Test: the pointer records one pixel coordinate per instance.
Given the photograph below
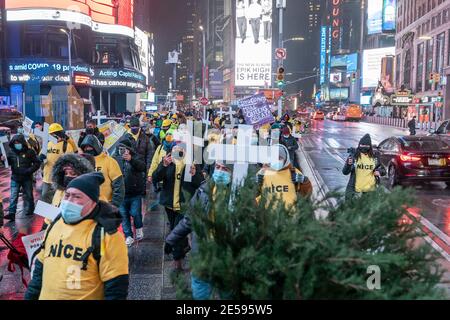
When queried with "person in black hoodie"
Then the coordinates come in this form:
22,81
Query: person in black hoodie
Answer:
364,167
91,128
133,169
24,163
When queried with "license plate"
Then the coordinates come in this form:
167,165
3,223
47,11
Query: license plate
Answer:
437,162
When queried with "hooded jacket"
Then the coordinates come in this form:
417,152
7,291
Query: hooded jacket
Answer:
78,163
145,146
168,175
351,169
113,189
97,133
134,170
112,268
24,162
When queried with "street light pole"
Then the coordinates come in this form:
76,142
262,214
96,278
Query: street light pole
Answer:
202,29
69,47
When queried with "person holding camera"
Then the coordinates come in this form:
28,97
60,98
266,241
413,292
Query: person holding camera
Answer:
133,169
364,167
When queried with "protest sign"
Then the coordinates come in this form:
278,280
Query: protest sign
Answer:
32,244
256,110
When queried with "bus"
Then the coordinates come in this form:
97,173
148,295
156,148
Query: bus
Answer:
353,112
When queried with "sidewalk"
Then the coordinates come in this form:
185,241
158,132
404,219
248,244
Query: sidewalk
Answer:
149,271
397,123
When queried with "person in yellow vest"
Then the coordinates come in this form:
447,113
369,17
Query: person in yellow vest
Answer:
83,256
280,180
54,152
113,190
165,129
364,167
160,153
171,172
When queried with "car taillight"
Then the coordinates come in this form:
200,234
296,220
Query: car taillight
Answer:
408,158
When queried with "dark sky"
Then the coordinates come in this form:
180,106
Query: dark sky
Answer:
169,21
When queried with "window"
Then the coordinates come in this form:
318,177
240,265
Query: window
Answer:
429,63
420,55
407,69
106,54
440,45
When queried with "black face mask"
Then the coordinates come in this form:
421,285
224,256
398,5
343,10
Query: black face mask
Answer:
90,131
135,130
91,152
364,149
67,180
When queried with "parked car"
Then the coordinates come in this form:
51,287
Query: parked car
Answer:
415,159
318,115
339,117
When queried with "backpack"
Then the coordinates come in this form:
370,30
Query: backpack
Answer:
16,255
94,249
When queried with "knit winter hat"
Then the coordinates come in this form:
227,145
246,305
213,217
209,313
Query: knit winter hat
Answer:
134,122
89,184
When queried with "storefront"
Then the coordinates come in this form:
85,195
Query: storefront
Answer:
429,111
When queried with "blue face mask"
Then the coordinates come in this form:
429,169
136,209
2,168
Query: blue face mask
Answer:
71,212
18,147
277,166
221,178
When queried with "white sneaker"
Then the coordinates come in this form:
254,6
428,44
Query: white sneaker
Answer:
129,241
139,234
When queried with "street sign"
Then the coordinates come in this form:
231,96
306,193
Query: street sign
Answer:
397,100
281,53
204,101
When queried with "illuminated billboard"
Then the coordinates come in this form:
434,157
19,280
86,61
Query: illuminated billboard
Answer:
323,53
372,65
389,10
348,61
253,61
105,16
141,40
374,16
339,94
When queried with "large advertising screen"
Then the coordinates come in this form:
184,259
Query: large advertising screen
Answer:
141,40
389,11
253,43
108,16
372,65
323,53
348,61
374,16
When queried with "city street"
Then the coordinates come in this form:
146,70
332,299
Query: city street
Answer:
327,146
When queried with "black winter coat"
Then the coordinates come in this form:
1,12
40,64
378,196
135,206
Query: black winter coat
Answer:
97,133
292,145
167,176
133,173
145,147
24,163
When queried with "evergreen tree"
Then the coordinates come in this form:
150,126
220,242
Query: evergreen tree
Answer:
250,250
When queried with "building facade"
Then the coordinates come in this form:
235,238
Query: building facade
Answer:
422,57
106,70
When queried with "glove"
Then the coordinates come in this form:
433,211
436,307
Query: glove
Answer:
167,248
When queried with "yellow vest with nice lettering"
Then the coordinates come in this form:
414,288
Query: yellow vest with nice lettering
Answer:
111,171
279,185
365,180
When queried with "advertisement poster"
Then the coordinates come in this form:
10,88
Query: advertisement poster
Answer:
389,9
256,110
254,43
372,65
374,16
141,40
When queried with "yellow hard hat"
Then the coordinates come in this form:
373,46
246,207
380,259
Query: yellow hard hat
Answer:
174,116
55,127
156,115
167,123
217,121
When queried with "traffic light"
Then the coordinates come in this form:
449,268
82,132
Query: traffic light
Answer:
280,74
431,78
354,77
437,77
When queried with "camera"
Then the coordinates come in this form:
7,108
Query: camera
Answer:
351,151
122,151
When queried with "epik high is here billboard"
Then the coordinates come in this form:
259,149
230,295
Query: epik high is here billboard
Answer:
253,61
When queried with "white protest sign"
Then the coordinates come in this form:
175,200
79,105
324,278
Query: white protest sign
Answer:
99,118
46,210
32,244
27,126
3,140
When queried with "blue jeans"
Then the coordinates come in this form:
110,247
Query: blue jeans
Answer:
201,290
131,207
28,199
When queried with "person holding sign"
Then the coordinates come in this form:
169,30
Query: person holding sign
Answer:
91,262
24,163
54,152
